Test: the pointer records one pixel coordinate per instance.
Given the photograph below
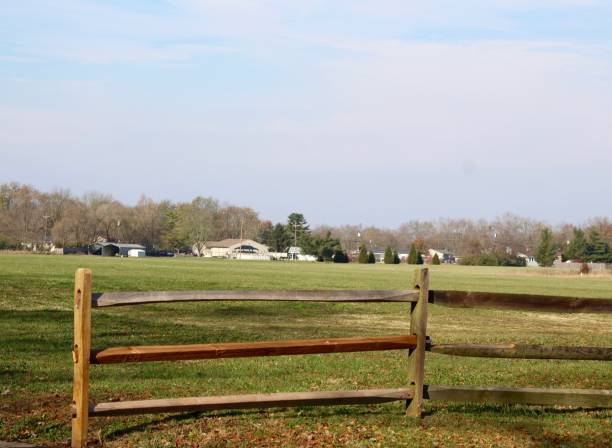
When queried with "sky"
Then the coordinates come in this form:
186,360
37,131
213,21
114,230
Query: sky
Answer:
361,112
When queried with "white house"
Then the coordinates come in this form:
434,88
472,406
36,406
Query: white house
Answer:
292,253
297,253
529,260
234,248
443,256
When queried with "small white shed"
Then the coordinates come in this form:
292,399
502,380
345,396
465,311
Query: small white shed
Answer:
136,253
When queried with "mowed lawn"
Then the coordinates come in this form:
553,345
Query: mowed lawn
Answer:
36,367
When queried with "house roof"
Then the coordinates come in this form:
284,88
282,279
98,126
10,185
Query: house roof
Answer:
224,243
229,242
123,245
444,252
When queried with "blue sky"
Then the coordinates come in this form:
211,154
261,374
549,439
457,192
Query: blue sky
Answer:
348,111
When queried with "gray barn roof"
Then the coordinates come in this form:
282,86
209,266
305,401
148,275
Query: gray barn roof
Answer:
123,245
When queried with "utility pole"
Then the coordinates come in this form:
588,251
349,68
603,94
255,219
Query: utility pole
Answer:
240,250
295,227
45,217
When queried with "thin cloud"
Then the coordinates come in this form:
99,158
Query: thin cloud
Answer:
339,97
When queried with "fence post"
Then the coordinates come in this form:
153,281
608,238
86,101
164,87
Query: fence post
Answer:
80,357
416,357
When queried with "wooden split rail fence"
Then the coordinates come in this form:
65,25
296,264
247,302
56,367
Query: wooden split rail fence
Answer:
416,342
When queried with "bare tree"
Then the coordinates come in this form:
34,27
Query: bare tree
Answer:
197,221
233,222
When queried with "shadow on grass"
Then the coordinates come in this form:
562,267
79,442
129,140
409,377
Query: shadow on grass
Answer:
309,412
538,423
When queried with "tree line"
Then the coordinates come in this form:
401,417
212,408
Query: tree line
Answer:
496,242
31,216
28,215
584,246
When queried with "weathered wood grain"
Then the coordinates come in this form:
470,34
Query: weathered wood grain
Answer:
80,356
250,349
136,298
372,396
507,395
416,357
519,302
524,351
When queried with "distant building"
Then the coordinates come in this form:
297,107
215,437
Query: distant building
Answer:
113,249
530,261
443,256
297,254
379,254
136,253
234,248
403,254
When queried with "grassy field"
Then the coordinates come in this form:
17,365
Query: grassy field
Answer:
36,367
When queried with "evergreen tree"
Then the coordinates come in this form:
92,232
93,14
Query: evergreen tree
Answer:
363,255
340,256
264,236
388,256
419,259
298,232
324,247
435,259
173,237
371,258
278,240
597,249
412,255
577,248
545,253
396,258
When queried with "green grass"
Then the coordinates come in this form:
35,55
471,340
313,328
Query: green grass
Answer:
36,369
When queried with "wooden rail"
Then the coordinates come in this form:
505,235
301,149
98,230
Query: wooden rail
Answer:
519,302
83,356
458,299
524,351
372,396
250,349
473,394
137,298
416,342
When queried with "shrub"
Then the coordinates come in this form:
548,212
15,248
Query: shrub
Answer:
371,258
388,256
412,255
340,256
6,244
363,255
545,253
419,259
493,259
